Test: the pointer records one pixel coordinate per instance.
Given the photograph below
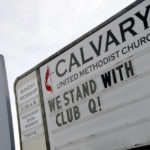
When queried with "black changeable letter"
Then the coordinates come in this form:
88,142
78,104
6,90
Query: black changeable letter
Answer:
145,17
97,50
111,39
129,29
57,72
84,61
129,69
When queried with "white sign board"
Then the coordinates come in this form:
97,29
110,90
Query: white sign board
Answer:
6,126
97,93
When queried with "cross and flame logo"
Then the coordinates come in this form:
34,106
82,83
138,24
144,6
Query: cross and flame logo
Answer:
47,85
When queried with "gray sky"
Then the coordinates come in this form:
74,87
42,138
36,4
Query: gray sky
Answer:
32,30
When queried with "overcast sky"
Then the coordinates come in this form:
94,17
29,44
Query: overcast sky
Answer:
32,30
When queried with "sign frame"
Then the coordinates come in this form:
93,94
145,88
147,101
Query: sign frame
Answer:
61,51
